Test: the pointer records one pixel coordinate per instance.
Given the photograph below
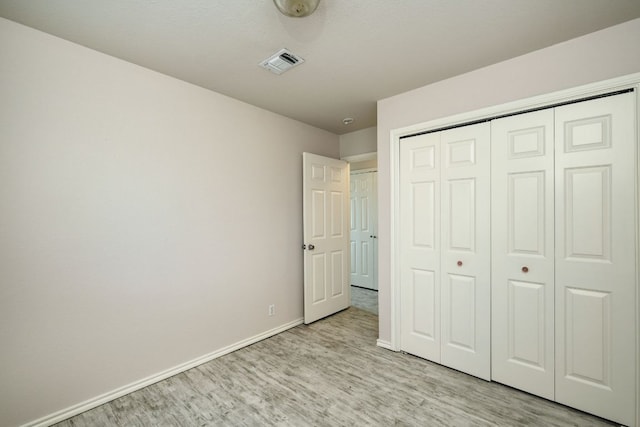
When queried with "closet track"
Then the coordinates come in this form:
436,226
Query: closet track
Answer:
516,113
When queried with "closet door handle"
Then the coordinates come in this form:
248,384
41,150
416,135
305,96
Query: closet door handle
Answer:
525,269
459,263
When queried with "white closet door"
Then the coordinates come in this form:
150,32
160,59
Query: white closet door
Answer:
363,229
522,271
595,257
466,250
420,245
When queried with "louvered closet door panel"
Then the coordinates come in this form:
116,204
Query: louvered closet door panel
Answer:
595,256
523,252
466,250
420,245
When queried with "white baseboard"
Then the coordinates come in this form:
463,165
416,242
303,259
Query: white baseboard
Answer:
384,344
69,412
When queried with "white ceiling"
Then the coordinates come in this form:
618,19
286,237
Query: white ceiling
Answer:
356,51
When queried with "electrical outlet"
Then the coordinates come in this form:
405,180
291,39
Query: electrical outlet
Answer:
272,309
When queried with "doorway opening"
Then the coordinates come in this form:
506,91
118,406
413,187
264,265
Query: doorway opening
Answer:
363,233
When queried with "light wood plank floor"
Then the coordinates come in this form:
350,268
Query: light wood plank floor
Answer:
329,373
366,299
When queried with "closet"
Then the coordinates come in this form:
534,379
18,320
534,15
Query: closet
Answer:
517,251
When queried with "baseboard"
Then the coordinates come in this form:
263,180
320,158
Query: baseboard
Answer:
119,392
384,344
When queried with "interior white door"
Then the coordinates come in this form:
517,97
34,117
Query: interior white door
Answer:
445,248
326,236
595,256
420,245
465,284
363,229
522,309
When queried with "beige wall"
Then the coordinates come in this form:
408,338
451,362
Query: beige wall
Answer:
366,164
358,142
598,56
144,222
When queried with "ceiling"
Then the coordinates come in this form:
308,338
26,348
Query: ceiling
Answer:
356,51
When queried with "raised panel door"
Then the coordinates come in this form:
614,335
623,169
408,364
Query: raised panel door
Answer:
326,236
363,229
466,249
522,329
420,246
595,257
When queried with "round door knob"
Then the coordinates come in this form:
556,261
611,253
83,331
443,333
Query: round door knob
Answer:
311,247
525,269
459,263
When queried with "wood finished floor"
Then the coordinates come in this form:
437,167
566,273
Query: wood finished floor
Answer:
365,299
330,373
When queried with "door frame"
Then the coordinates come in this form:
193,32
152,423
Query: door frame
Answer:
631,81
355,158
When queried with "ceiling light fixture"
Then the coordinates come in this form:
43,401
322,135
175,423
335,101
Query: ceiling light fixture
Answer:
347,120
296,8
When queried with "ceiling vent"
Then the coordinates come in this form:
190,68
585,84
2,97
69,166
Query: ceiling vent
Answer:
281,61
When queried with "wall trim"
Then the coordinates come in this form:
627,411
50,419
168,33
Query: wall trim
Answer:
71,411
360,157
361,171
637,184
384,344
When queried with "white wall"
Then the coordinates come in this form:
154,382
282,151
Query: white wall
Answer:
144,222
598,56
358,142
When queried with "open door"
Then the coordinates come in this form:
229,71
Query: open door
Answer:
326,236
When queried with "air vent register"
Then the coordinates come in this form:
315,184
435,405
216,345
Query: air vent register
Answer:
281,61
